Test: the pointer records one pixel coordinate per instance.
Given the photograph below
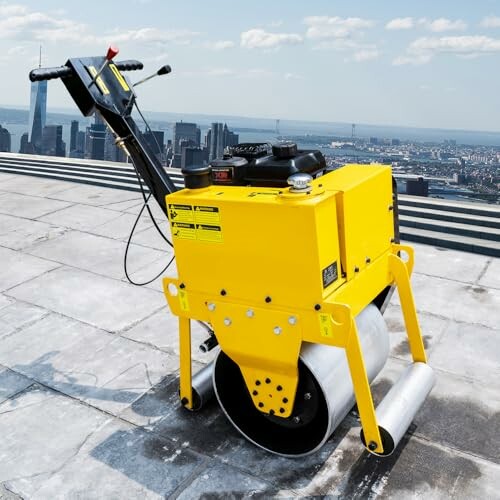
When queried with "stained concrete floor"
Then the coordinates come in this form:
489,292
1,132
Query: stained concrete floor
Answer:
88,373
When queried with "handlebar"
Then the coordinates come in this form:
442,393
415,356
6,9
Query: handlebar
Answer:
40,74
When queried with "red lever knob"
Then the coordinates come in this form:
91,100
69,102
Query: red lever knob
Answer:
112,51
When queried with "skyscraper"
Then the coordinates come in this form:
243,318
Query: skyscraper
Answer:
185,132
94,142
216,141
4,140
73,134
38,111
52,142
155,140
219,137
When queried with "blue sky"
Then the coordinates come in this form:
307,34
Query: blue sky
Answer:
425,63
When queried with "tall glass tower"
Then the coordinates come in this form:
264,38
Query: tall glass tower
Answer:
38,111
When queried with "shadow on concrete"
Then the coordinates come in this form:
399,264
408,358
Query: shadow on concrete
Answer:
42,370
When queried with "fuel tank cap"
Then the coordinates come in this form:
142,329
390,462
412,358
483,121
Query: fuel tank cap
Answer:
300,183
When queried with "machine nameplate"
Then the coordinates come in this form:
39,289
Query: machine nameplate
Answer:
330,274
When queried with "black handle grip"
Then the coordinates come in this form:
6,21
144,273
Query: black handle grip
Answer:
129,65
39,74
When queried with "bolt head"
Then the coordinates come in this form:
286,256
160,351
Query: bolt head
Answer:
372,446
277,330
292,320
227,321
211,306
296,420
307,396
250,313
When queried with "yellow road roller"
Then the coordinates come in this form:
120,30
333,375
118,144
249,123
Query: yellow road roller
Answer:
289,266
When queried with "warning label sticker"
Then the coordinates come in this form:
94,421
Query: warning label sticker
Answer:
180,213
206,215
183,230
325,325
198,222
207,232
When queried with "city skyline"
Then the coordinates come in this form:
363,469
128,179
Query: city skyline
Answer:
424,65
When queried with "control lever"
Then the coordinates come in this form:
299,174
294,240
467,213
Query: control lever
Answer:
112,52
164,70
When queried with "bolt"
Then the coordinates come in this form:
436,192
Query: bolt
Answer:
292,320
211,306
223,292
368,260
227,321
285,400
277,330
372,445
391,208
182,286
261,405
317,307
393,240
356,269
268,299
271,412
255,393
184,401
279,388
296,420
307,396
250,313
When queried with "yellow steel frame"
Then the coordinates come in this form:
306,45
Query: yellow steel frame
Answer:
340,308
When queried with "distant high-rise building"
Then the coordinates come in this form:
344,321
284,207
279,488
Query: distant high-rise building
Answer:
95,139
25,145
417,187
79,151
155,140
396,142
218,138
4,140
374,140
192,156
216,141
187,132
73,134
52,142
111,151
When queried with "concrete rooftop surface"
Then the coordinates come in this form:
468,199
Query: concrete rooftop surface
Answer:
89,372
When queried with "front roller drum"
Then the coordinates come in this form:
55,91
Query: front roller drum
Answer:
325,393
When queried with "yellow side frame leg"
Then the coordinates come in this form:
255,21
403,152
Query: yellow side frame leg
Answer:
186,389
401,276
362,391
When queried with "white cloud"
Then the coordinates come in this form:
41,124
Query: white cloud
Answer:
292,76
413,60
259,39
400,23
324,27
219,45
18,22
423,49
443,24
366,55
455,44
491,22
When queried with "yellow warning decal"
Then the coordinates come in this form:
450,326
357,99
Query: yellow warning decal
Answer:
325,325
206,232
99,81
183,300
180,213
206,215
183,230
120,78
